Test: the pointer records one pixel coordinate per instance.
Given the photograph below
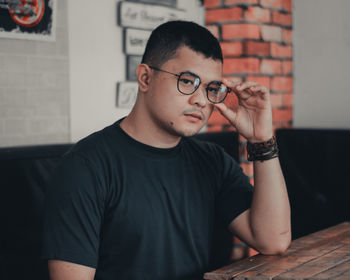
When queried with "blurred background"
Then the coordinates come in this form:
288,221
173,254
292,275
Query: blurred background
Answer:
75,75
62,90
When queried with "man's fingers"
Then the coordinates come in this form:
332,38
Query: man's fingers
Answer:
246,85
259,88
231,82
229,114
247,89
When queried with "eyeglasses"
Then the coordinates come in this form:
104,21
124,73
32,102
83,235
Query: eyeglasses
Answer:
188,83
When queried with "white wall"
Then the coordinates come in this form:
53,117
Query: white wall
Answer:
97,63
34,88
321,31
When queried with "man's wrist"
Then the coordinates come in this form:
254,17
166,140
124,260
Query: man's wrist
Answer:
263,150
264,138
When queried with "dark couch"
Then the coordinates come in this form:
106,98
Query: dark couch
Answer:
24,172
315,164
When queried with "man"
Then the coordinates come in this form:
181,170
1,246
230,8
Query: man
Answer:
137,200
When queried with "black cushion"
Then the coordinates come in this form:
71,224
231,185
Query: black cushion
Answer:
223,239
315,163
24,172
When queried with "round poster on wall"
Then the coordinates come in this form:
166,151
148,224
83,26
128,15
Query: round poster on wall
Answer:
27,19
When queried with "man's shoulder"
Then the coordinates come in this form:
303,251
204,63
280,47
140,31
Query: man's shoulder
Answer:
97,143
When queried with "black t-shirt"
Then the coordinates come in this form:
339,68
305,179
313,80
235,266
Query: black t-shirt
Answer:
133,211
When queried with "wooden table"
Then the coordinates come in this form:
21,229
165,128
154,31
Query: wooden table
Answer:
322,255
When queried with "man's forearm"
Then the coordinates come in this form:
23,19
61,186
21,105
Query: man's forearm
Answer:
270,210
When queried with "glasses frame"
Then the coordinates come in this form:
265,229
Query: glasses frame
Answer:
197,77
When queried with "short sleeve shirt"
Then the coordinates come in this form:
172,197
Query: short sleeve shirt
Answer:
133,211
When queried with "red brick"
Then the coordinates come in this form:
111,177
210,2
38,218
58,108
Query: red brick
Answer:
287,67
281,115
214,128
252,252
257,14
228,128
214,29
287,35
238,253
242,151
217,118
257,48
247,168
287,5
227,14
288,100
231,2
283,19
275,4
240,31
241,65
235,79
236,240
212,3
282,84
271,33
278,50
231,48
241,139
261,80
269,66
276,99
231,100
286,124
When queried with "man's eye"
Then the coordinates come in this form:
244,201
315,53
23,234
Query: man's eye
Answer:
213,90
186,82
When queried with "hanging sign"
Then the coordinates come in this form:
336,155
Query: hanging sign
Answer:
126,94
27,19
146,16
135,41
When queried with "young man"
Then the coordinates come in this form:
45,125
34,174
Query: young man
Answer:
137,199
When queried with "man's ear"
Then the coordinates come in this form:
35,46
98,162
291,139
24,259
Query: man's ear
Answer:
143,73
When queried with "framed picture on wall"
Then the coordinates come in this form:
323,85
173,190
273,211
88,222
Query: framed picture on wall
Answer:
171,3
146,16
135,40
28,19
126,94
132,62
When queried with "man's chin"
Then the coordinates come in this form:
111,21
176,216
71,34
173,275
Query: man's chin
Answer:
187,132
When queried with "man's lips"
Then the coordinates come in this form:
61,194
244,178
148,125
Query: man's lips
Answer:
194,115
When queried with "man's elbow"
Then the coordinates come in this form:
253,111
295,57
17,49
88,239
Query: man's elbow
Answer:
277,247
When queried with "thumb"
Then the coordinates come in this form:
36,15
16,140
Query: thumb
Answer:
229,114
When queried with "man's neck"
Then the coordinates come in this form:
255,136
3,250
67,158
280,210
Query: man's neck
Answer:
143,130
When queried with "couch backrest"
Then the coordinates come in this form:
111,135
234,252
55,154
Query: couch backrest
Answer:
315,163
24,172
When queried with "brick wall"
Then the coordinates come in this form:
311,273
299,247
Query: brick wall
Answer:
34,88
256,39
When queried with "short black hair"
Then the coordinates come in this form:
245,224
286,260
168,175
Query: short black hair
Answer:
168,37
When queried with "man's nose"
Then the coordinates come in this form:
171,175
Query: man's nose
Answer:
199,97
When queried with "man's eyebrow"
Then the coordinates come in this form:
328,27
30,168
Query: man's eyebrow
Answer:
188,71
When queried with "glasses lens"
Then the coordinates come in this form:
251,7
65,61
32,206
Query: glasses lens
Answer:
217,92
188,83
